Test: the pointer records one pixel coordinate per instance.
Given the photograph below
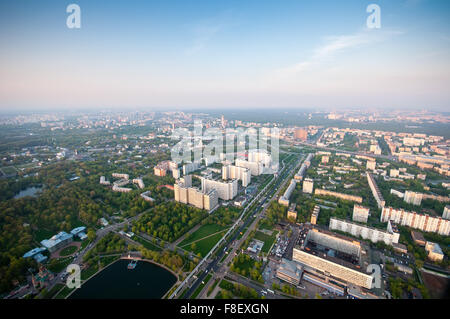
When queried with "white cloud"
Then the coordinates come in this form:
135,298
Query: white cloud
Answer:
334,45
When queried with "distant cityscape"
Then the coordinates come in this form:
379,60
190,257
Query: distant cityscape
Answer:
346,213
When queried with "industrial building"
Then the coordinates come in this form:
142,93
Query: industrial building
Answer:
333,260
289,271
434,251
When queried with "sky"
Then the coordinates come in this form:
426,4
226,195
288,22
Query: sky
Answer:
224,54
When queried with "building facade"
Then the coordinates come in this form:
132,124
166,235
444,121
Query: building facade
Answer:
423,222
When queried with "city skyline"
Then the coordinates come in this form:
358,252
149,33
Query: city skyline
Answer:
225,55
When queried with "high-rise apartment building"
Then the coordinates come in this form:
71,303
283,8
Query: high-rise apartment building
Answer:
360,213
308,186
225,190
235,172
423,222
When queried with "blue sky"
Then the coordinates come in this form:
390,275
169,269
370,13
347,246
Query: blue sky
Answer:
237,54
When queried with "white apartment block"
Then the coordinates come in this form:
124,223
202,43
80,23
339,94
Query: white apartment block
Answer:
225,190
397,193
260,156
195,197
190,167
235,172
413,198
368,233
418,221
308,186
446,213
360,213
256,168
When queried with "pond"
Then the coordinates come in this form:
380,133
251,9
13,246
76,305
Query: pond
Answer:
30,191
145,281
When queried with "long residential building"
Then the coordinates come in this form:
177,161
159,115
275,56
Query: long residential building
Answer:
423,222
302,171
324,192
389,237
284,200
375,191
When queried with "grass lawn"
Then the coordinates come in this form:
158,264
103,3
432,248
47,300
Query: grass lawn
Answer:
68,251
247,265
203,231
87,273
84,244
204,246
268,240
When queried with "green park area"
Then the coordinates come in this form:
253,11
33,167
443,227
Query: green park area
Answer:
203,239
